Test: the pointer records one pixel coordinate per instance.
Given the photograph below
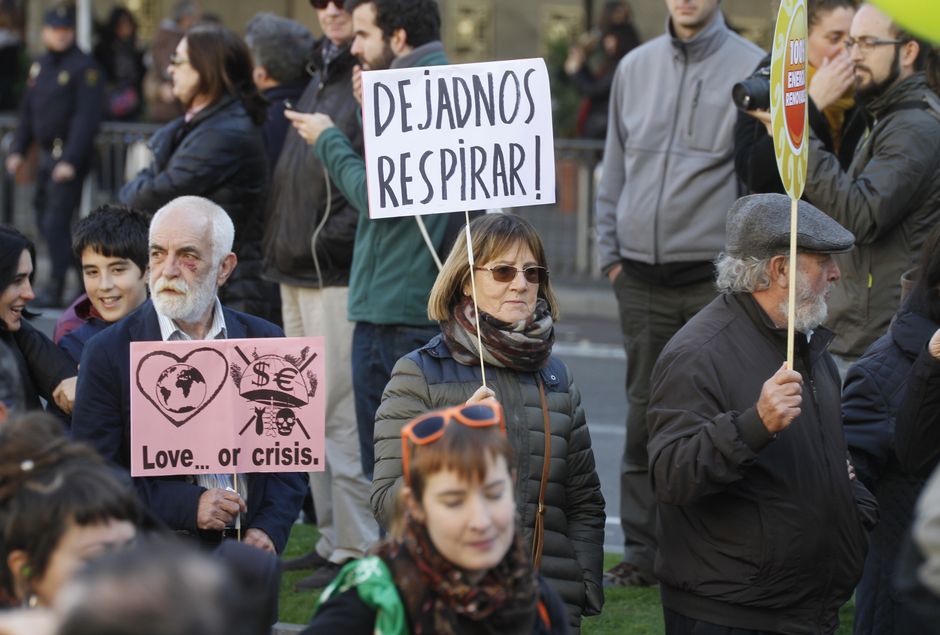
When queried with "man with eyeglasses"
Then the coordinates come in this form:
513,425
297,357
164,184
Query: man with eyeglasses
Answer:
308,250
889,196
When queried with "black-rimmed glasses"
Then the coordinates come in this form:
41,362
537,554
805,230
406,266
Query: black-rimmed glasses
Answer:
867,43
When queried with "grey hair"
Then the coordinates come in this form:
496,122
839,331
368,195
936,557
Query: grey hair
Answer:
223,231
280,45
742,275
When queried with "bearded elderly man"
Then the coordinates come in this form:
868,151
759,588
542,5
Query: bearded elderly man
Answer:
190,258
762,524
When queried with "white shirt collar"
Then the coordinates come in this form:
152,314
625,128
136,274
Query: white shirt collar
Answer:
170,332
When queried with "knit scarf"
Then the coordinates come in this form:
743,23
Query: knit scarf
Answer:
522,346
436,593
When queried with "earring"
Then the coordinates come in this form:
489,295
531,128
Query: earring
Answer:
26,571
32,601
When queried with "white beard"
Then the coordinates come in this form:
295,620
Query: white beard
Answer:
191,302
811,309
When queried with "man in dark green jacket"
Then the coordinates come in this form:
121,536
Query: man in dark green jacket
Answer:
393,268
890,195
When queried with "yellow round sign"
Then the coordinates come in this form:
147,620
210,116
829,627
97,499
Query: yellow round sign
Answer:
917,16
788,109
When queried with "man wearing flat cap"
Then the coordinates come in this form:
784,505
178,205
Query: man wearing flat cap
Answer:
762,524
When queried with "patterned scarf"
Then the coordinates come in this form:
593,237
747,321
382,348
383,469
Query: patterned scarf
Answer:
523,346
436,593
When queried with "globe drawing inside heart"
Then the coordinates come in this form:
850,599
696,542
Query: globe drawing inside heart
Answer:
181,388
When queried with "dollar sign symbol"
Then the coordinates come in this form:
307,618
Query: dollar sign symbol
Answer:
261,377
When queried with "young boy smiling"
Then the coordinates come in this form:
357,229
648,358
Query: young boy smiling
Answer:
111,244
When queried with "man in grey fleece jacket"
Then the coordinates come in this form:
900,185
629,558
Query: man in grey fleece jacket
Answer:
668,180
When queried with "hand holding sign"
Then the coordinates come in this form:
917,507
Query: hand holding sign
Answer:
218,509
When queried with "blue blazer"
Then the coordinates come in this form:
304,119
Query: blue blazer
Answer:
102,418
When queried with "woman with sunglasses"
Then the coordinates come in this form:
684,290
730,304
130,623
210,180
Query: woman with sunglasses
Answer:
215,150
455,562
542,404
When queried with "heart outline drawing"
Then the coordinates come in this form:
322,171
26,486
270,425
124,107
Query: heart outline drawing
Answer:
174,417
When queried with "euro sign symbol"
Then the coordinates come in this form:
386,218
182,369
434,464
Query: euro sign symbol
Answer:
283,379
261,377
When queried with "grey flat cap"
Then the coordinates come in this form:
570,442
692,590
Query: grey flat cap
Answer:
759,226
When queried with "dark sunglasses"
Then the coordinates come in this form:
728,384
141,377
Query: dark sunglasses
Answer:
508,273
430,427
322,4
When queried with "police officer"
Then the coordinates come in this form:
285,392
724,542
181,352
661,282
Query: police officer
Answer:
61,112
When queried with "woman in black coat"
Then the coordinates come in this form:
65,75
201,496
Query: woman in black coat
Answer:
44,370
216,150
872,399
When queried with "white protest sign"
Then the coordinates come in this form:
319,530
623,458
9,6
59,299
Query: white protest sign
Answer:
451,138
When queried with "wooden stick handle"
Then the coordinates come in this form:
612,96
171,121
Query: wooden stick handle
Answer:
473,289
791,283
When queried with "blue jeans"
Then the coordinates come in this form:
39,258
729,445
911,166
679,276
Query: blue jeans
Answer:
375,350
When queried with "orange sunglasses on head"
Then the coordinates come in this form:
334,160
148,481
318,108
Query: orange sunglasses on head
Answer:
429,427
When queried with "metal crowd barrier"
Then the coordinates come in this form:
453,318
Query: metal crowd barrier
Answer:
566,227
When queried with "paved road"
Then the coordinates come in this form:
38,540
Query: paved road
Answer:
593,351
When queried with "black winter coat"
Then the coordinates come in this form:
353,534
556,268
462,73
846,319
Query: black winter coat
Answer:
303,202
755,531
41,363
219,155
873,393
917,434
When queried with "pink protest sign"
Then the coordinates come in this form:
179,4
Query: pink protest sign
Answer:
223,406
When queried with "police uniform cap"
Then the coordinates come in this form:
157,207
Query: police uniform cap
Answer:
759,226
62,17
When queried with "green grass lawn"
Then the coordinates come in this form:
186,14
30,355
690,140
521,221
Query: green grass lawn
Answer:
627,611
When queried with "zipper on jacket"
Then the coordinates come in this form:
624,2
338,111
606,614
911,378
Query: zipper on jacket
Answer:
672,136
695,97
